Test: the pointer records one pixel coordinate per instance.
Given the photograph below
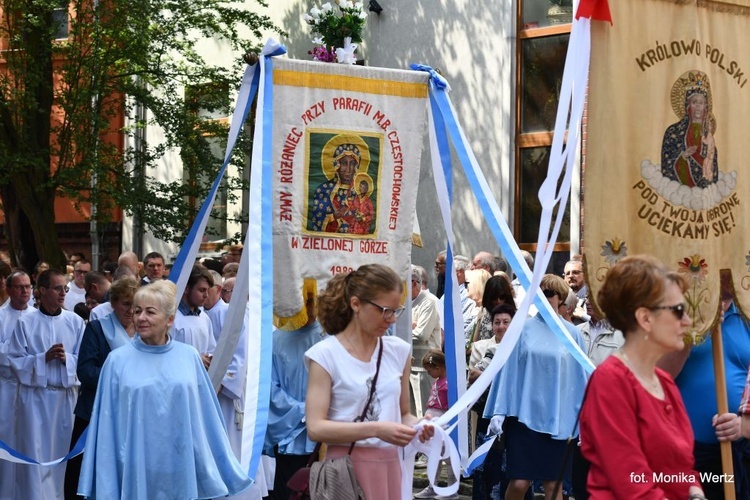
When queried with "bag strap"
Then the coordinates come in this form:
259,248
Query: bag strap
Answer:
372,390
314,456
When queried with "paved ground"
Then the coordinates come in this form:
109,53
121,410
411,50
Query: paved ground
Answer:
421,482
464,489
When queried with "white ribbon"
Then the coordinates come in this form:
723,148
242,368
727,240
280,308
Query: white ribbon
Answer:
440,447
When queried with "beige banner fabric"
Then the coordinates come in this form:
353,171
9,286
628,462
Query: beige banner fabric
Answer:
347,145
666,149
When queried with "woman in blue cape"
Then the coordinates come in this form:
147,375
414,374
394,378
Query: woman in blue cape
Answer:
539,391
101,337
156,429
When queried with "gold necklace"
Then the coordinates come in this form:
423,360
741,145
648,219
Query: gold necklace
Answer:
653,386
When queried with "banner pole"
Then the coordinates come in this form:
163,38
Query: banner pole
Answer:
723,407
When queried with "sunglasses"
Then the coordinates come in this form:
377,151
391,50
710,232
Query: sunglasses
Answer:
549,293
678,310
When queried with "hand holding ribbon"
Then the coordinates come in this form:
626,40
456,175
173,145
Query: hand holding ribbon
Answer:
440,447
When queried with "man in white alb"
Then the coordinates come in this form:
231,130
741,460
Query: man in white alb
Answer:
18,285
43,353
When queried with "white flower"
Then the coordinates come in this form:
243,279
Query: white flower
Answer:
308,19
346,4
362,14
327,7
315,13
359,6
318,41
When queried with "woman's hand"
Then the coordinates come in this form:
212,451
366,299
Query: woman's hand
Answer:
427,432
728,426
396,433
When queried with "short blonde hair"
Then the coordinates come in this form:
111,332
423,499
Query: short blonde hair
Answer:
163,292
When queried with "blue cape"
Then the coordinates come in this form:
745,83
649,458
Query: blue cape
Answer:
156,431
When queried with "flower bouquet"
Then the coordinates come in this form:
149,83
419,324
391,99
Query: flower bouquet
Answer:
337,30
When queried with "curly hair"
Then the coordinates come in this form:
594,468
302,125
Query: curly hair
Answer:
334,310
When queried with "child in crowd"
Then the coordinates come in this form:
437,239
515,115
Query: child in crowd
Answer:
434,363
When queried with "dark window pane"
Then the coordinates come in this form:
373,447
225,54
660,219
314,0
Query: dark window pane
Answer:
534,163
541,77
540,13
60,20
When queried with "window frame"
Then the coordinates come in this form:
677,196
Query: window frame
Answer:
531,139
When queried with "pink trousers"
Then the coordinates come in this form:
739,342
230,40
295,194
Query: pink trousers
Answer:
378,470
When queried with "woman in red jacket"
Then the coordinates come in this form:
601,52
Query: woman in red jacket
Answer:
634,429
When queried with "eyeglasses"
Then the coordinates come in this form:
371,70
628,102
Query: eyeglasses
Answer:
225,291
678,310
438,265
80,271
574,273
388,312
549,293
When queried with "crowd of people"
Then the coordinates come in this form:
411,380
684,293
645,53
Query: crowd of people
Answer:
631,435
127,359
57,329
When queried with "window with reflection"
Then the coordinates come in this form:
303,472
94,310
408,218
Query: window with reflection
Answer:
534,162
208,103
542,13
543,35
543,61
60,20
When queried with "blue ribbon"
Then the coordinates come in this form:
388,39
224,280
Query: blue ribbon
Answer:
451,346
436,78
77,450
183,264
266,263
489,208
443,149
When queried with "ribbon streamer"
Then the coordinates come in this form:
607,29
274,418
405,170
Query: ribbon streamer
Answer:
11,455
186,257
440,447
561,162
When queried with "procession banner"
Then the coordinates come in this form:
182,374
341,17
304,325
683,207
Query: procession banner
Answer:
665,169
347,143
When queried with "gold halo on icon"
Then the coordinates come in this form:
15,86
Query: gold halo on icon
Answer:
690,80
362,177
328,162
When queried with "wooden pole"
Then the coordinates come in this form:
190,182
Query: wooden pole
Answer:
723,407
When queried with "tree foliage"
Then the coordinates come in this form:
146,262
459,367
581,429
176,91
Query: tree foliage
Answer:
61,100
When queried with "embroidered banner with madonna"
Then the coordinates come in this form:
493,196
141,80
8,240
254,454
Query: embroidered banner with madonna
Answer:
665,171
346,153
